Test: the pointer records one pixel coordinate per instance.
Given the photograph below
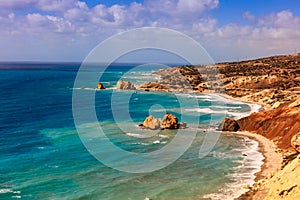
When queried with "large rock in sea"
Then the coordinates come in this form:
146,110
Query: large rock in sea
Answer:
125,85
229,124
152,123
100,86
295,142
169,122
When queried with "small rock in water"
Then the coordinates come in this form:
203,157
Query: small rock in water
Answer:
182,125
100,86
156,142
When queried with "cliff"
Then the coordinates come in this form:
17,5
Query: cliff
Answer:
273,82
279,124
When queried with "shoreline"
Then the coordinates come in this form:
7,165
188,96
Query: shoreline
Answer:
264,107
272,161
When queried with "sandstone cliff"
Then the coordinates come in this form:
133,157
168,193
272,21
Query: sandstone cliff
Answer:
279,124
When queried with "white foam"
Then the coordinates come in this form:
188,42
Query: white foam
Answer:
252,162
3,191
221,155
208,110
136,135
142,143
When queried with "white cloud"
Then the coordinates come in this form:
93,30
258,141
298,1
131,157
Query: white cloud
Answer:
71,21
57,5
249,16
17,4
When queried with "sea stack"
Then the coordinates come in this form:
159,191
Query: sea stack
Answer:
125,85
100,86
169,121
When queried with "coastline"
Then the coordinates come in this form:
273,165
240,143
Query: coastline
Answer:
264,107
272,161
272,156
271,164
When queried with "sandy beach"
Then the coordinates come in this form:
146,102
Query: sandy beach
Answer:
272,155
272,162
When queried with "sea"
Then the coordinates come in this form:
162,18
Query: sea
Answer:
43,155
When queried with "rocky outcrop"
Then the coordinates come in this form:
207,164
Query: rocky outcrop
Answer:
229,124
279,124
100,86
154,86
152,123
286,184
270,81
125,85
295,142
169,121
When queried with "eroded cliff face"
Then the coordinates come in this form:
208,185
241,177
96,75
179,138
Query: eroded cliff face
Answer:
279,124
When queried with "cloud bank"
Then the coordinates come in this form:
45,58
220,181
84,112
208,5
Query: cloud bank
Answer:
69,29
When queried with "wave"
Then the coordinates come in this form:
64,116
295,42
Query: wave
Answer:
208,110
93,89
5,190
244,173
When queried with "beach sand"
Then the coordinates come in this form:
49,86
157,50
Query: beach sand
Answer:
272,155
272,163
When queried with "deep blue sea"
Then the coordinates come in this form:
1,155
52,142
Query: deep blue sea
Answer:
43,157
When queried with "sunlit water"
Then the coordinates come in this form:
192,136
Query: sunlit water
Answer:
42,156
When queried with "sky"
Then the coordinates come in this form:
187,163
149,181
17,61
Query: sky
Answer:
67,30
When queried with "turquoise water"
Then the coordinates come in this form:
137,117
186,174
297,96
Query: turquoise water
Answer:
42,156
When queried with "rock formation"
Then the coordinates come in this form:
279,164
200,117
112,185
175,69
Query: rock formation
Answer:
152,123
100,86
154,86
279,124
270,81
295,142
169,121
286,184
229,124
125,85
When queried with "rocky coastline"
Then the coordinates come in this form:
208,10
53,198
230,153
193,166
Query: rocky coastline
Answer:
272,82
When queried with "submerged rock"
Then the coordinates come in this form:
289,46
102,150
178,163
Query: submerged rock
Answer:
182,125
100,86
125,85
229,124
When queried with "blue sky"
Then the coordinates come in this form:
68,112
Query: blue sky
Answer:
67,30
